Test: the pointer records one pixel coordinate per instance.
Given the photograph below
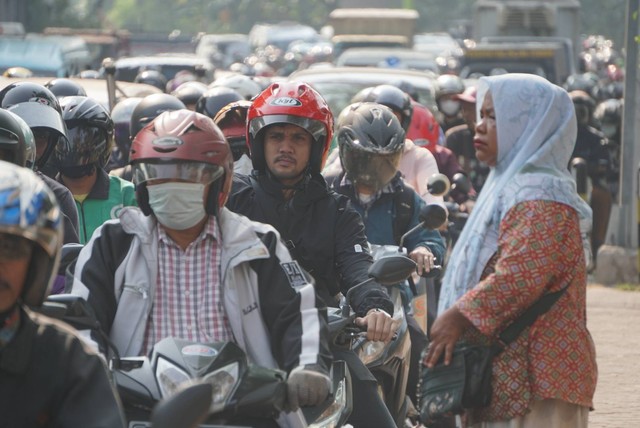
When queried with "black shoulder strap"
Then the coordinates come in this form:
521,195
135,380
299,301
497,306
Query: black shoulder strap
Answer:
404,204
529,316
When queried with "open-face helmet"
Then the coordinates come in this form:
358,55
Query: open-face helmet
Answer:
232,121
293,103
185,145
40,109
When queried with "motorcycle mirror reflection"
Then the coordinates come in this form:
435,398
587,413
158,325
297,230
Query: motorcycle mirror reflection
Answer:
188,408
438,184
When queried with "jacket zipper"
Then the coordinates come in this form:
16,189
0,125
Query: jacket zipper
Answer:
137,289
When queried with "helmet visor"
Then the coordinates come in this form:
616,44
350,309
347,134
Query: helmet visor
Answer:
85,145
194,172
373,170
315,127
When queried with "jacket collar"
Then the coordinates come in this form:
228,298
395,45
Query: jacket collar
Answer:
15,357
100,189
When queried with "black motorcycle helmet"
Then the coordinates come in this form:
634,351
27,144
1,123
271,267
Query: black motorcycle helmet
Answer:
89,137
151,107
370,141
40,109
16,140
190,92
584,105
121,116
212,101
394,98
62,87
580,82
609,115
153,78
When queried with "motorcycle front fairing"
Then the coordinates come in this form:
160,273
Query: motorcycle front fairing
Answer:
239,388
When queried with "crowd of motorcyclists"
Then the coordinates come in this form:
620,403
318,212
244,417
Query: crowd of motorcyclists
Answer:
236,211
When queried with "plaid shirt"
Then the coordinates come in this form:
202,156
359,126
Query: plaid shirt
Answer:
188,302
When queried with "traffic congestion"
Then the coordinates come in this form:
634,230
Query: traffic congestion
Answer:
363,224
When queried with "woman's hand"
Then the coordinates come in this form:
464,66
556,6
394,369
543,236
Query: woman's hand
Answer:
380,325
445,332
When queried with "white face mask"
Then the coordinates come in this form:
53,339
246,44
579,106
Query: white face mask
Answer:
177,206
449,107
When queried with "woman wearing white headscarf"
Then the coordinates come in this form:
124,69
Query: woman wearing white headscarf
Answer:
527,236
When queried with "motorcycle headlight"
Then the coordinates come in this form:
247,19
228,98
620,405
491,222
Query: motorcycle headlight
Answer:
331,416
371,351
223,381
169,377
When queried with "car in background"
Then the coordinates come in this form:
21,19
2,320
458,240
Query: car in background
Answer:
54,56
95,88
168,64
388,58
281,35
338,85
444,48
222,50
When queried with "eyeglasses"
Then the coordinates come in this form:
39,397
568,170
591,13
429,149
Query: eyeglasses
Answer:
14,247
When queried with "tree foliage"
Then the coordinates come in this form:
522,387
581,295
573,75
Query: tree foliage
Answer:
605,17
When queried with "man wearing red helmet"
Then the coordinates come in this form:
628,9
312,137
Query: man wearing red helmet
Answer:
183,265
232,121
289,128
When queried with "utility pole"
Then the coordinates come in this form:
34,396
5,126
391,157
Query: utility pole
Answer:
620,261
627,235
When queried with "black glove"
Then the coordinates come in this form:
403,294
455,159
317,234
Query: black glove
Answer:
306,387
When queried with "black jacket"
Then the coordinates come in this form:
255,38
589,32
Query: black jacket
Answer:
322,231
49,379
67,207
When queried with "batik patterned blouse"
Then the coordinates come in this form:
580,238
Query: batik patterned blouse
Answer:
539,251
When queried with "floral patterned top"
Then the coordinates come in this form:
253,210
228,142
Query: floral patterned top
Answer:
539,251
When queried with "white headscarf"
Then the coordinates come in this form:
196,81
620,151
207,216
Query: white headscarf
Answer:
536,131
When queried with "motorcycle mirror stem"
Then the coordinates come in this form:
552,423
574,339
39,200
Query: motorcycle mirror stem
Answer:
431,216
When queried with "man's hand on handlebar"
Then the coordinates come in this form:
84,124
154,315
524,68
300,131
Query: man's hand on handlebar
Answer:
380,325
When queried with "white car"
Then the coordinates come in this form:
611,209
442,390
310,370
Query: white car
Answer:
339,84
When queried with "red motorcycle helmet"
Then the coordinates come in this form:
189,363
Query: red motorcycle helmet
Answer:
424,129
294,103
182,144
232,121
